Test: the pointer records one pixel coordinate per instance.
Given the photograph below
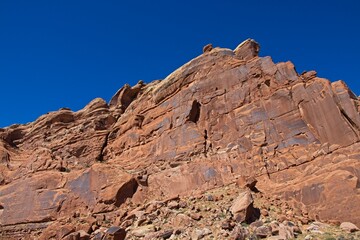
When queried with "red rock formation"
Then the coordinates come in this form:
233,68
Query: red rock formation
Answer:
222,116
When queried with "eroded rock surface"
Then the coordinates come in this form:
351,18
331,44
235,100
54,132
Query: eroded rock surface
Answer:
225,115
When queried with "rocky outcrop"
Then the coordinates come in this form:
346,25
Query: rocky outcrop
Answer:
207,48
223,117
247,49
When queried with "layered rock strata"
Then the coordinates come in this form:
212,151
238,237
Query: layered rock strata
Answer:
222,116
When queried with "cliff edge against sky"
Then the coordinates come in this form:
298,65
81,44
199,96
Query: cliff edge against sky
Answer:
223,118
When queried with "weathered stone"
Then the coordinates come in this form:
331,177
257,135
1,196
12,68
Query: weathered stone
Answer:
72,236
246,182
143,230
196,234
247,49
182,204
243,209
83,235
98,235
124,97
195,216
286,232
207,48
181,220
309,75
274,228
348,226
67,230
264,212
226,225
239,233
165,234
173,205
256,224
308,237
115,233
200,233
210,198
275,238
263,231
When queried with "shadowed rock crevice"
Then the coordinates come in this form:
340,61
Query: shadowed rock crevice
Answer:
205,142
100,157
194,113
125,192
351,122
124,97
14,137
267,83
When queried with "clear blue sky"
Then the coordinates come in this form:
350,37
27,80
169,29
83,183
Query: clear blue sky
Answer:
62,53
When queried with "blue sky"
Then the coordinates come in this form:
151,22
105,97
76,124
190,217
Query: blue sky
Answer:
64,53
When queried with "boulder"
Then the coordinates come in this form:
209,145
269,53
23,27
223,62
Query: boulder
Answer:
239,233
115,233
263,231
286,232
242,208
207,48
143,230
348,226
200,233
83,235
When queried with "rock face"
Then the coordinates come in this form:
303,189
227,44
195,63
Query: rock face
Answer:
222,116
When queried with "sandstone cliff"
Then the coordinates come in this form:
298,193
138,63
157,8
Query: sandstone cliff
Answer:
223,116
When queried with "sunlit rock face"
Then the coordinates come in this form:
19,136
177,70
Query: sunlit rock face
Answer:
225,114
